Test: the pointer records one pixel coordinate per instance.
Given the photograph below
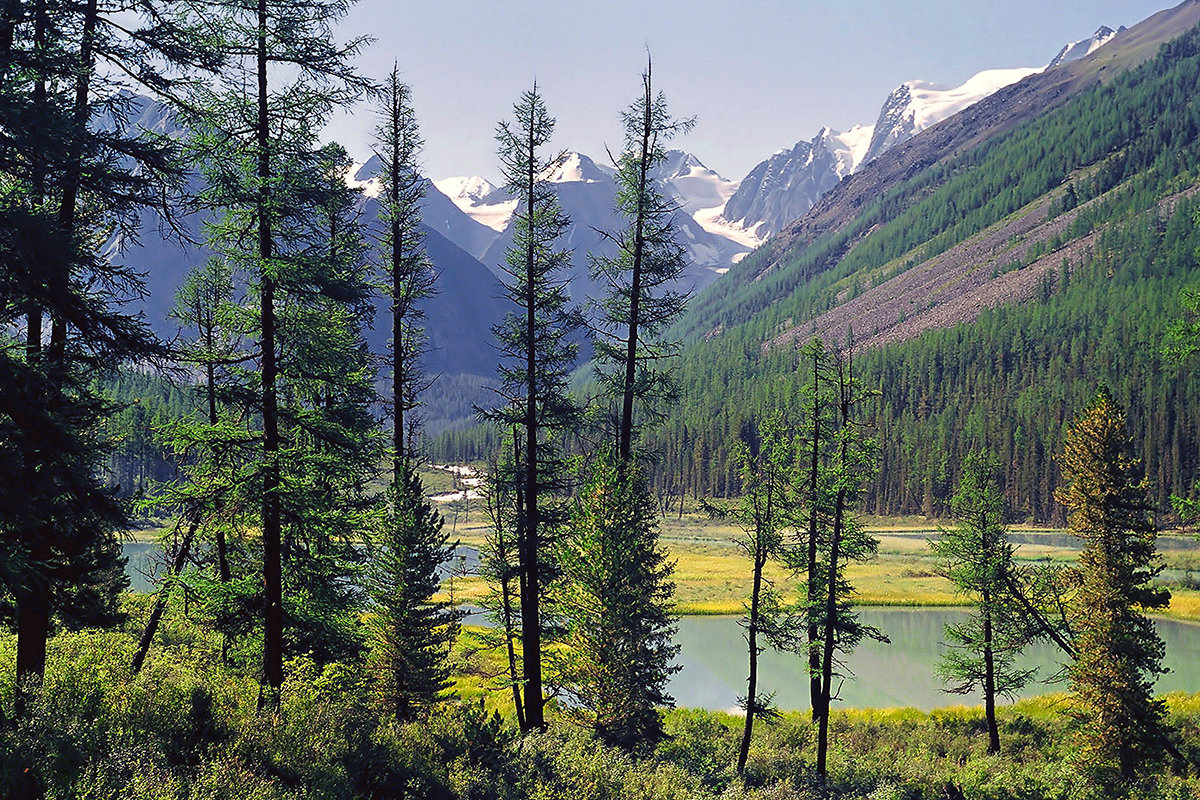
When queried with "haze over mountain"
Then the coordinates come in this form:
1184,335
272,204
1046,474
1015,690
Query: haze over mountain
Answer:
468,218
790,182
732,217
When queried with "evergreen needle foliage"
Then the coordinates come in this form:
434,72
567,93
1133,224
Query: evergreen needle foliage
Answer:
536,357
978,560
1121,735
616,596
408,273
641,301
413,631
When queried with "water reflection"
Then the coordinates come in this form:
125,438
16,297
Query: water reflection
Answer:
713,657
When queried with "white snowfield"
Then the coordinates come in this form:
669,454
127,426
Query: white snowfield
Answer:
575,168
474,197
848,148
372,187
931,103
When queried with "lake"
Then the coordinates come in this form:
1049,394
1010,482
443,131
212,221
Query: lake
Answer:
714,660
145,562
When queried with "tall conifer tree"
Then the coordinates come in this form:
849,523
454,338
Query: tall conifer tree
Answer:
1121,733
979,562
643,300
257,143
536,357
409,275
74,176
846,539
413,632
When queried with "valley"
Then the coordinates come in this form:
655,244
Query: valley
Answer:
587,470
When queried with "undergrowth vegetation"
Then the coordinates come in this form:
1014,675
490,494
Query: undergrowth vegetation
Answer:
189,727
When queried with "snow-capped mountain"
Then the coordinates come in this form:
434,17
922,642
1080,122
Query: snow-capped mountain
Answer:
702,194
1084,47
915,105
694,186
480,200
790,182
438,212
578,168
587,193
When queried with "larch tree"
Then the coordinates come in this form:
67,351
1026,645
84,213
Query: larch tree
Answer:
851,465
499,564
978,559
616,597
208,452
74,178
642,298
408,273
1121,735
765,466
413,631
310,380
812,500
617,588
536,357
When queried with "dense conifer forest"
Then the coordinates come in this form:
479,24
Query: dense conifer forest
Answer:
1012,378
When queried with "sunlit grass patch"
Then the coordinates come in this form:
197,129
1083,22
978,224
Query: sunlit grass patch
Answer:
1185,604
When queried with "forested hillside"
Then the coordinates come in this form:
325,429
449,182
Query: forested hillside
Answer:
1059,248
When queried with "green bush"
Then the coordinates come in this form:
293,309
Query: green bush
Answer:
190,728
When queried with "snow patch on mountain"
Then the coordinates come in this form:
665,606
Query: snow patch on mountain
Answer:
713,221
694,186
578,168
1084,47
702,193
914,106
931,104
371,185
479,199
849,148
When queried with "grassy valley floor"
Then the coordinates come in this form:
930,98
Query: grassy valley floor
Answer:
712,575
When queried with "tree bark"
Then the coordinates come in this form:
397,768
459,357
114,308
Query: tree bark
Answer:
625,445
271,524
752,680
160,602
531,631
814,633
33,629
989,677
399,377
830,629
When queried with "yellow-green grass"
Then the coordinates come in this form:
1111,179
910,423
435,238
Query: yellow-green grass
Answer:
1185,605
147,534
478,669
712,575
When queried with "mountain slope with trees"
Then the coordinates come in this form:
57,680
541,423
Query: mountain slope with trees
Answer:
995,282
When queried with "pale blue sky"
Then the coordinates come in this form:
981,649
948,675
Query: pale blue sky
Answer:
758,74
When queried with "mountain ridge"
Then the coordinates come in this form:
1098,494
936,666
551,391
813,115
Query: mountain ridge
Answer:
1019,254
